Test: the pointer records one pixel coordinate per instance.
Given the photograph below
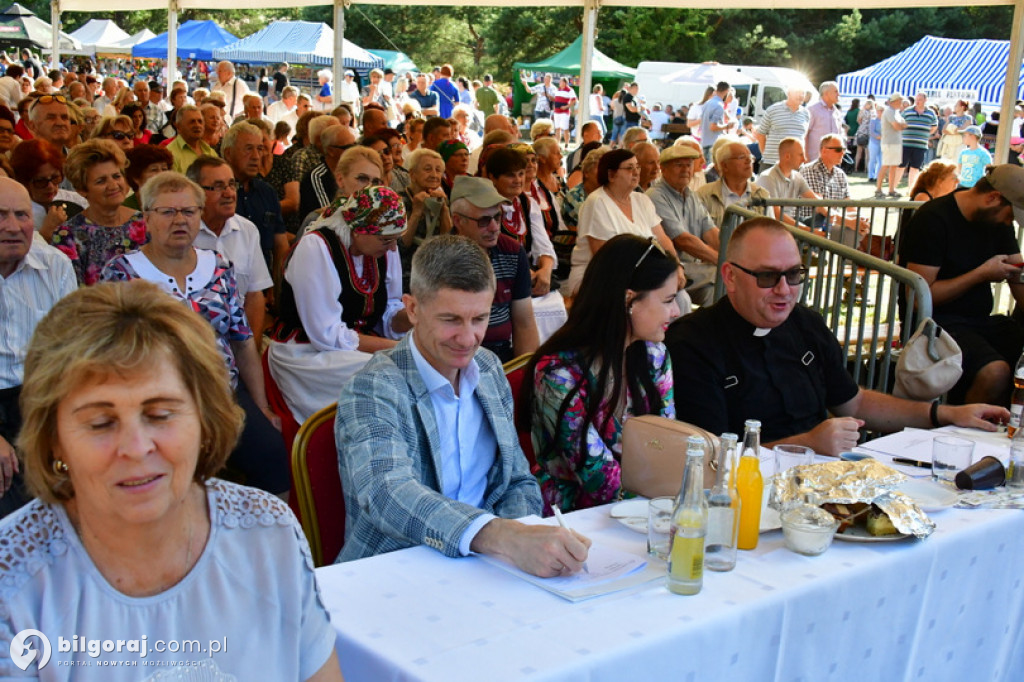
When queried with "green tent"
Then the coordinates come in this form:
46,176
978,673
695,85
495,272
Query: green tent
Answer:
608,72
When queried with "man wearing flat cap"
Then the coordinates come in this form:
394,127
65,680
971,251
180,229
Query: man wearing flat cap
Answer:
961,243
686,221
476,214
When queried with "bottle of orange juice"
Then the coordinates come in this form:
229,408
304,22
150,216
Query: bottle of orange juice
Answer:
750,486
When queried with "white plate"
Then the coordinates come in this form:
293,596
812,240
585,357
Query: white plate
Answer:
928,495
632,514
861,534
770,519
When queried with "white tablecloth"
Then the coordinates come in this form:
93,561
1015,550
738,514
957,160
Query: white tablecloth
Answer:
946,608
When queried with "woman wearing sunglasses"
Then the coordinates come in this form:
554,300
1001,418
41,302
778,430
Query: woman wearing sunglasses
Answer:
606,364
117,129
38,166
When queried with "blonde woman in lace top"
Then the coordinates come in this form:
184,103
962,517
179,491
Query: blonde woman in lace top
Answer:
127,416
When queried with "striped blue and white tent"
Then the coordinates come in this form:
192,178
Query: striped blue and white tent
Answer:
296,42
945,68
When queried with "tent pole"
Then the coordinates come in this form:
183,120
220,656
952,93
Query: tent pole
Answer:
339,50
172,42
55,28
586,64
1011,84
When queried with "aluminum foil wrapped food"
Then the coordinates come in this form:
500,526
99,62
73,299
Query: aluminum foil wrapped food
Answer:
867,481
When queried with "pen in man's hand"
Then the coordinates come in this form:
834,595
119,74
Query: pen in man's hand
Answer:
561,522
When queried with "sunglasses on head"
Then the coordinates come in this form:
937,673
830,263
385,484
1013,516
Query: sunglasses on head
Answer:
47,99
653,244
118,135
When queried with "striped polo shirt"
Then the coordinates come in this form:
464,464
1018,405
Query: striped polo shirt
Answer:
919,127
780,122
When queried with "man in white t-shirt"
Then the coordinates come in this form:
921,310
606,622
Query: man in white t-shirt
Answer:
234,89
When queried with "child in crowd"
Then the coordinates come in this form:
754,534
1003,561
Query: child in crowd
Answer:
973,158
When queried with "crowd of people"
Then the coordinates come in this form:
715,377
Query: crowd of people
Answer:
385,255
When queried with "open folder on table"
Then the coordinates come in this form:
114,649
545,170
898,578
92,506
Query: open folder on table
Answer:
608,570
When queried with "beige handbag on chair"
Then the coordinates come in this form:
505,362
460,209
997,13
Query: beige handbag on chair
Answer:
930,364
654,455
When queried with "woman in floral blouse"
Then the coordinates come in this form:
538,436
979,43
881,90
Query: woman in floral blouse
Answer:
205,282
605,365
107,228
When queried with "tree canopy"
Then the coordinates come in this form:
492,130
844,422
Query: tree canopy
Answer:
822,43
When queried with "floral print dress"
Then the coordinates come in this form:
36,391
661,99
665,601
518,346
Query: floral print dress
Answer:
571,477
210,291
91,246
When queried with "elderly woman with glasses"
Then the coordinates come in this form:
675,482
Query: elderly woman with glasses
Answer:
204,281
607,363
341,299
128,417
38,165
107,228
614,208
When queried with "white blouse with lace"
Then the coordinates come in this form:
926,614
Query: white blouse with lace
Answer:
252,595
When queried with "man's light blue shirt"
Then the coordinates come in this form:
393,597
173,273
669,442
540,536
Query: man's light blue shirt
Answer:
468,444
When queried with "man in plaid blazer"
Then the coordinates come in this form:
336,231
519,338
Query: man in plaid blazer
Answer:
427,447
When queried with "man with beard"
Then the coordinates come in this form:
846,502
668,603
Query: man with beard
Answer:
961,243
756,354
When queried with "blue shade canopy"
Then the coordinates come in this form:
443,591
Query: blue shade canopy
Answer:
296,42
399,62
944,68
196,40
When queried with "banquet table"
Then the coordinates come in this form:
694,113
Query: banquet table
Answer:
948,607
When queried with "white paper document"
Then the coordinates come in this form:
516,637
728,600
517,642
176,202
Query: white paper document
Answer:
608,570
916,444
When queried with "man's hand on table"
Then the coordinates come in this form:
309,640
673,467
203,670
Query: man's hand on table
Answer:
976,416
833,436
540,550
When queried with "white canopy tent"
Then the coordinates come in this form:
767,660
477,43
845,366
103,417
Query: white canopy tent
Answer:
100,36
590,10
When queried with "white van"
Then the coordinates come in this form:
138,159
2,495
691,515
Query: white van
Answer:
757,87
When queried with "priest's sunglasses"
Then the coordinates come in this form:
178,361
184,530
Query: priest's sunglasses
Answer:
767,279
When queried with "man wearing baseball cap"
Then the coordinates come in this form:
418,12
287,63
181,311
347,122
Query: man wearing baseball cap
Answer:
893,125
476,214
961,243
686,221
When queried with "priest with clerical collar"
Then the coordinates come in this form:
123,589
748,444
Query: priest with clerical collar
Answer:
758,354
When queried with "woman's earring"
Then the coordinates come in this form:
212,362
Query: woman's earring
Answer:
60,467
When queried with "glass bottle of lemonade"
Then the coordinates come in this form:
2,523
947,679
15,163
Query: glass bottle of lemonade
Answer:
750,486
689,525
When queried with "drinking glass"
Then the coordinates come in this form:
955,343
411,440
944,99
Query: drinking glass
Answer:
950,455
659,526
788,456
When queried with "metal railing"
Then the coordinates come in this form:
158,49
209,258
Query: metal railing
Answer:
881,215
857,294
884,217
